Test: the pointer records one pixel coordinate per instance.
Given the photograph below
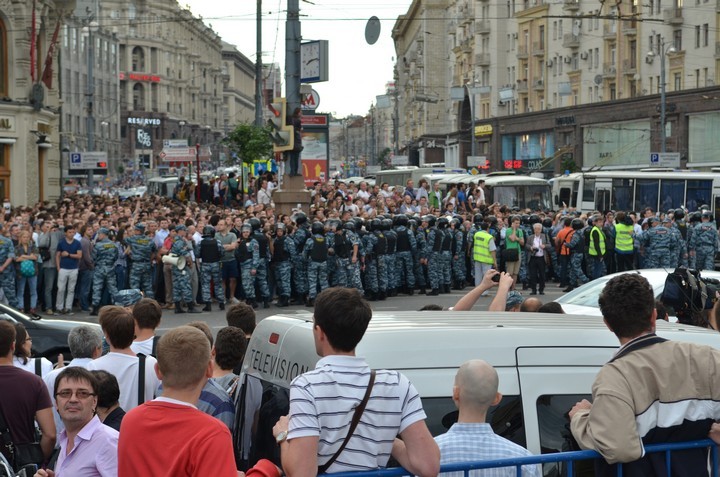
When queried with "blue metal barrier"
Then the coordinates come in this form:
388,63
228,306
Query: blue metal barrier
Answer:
567,457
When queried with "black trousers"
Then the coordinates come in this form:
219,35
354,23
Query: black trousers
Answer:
624,261
536,271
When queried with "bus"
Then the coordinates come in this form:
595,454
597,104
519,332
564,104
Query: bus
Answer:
400,177
637,190
507,188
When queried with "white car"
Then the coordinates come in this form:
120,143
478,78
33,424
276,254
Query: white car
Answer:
584,299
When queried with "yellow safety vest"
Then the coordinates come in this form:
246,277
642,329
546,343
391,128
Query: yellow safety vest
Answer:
591,249
624,238
481,247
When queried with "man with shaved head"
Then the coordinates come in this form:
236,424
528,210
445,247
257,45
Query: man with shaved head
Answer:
471,438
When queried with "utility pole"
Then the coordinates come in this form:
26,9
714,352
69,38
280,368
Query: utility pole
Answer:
258,68
396,117
292,56
92,26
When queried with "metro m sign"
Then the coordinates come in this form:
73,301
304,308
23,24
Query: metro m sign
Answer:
310,101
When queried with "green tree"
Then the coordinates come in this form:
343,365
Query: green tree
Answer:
250,143
384,158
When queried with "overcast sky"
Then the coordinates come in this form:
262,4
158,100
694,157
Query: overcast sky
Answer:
358,71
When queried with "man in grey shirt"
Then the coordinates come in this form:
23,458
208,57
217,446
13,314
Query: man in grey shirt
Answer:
230,270
50,236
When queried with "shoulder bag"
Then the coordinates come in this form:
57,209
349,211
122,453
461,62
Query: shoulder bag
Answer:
353,424
20,454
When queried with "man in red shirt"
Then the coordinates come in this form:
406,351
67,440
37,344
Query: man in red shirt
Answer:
169,435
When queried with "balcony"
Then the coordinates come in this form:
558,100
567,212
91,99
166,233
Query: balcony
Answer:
482,59
538,84
610,30
538,48
609,70
522,86
629,67
483,27
573,5
522,52
571,41
630,28
673,16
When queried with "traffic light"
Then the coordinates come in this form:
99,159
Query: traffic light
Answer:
281,134
102,165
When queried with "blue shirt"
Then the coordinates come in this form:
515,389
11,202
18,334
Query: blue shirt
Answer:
216,402
69,263
465,442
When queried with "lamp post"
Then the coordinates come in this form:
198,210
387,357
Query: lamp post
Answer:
472,90
87,32
663,51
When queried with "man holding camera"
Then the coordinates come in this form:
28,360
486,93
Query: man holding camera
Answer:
652,391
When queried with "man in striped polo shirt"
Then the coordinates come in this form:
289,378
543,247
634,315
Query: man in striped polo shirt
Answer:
323,401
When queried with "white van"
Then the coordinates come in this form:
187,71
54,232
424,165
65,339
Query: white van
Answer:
546,363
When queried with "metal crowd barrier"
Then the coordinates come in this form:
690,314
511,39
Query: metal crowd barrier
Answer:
569,458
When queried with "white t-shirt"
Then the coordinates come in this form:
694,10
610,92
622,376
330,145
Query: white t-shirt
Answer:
45,365
363,194
144,346
125,368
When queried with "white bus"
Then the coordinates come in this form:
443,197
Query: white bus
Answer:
400,176
636,190
507,188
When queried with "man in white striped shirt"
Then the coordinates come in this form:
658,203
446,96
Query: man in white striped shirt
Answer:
323,401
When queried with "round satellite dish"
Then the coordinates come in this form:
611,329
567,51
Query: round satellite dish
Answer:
598,79
372,30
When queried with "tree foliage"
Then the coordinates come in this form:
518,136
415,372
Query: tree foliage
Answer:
250,143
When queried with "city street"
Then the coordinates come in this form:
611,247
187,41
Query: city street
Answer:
216,318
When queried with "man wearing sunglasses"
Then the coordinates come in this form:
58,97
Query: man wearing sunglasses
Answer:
87,447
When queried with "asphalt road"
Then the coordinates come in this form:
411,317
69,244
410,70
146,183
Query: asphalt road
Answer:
216,318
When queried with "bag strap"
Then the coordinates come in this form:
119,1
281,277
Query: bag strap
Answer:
141,378
38,367
353,424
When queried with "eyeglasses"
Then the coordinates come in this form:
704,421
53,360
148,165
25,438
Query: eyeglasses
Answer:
80,393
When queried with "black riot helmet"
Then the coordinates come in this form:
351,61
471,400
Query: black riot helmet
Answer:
534,219
376,224
442,223
679,214
547,222
478,219
208,231
401,219
491,219
255,224
386,224
317,228
300,218
430,219
349,225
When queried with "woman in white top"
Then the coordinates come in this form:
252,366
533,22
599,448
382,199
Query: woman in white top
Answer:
23,350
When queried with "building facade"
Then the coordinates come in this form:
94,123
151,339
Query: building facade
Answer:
238,74
29,107
507,61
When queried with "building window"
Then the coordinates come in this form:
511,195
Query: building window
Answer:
138,97
5,172
677,40
677,79
697,36
138,59
706,34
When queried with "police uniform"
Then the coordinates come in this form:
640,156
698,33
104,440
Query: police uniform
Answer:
703,245
248,257
210,250
392,272
142,249
576,245
283,252
370,284
7,276
316,253
458,259
300,236
434,251
261,277
406,250
354,279
182,290
104,255
420,255
657,241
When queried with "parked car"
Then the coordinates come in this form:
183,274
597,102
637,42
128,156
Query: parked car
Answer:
584,299
50,336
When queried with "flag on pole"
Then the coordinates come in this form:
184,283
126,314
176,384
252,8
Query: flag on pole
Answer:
48,72
33,45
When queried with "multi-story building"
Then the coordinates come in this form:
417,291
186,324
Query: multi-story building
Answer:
238,74
510,60
29,102
272,82
80,32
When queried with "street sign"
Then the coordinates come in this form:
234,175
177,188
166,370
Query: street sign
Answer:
400,161
178,154
175,143
665,159
88,160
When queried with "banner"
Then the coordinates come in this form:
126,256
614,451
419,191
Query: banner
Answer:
48,72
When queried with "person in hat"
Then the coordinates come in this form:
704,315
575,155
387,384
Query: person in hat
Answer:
142,252
104,256
182,291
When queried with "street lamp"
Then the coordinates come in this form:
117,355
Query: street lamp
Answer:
472,91
88,30
663,51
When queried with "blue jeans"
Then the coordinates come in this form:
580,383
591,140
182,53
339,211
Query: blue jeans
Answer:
85,278
21,281
121,277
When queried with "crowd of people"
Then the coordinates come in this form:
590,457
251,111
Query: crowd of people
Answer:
58,258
